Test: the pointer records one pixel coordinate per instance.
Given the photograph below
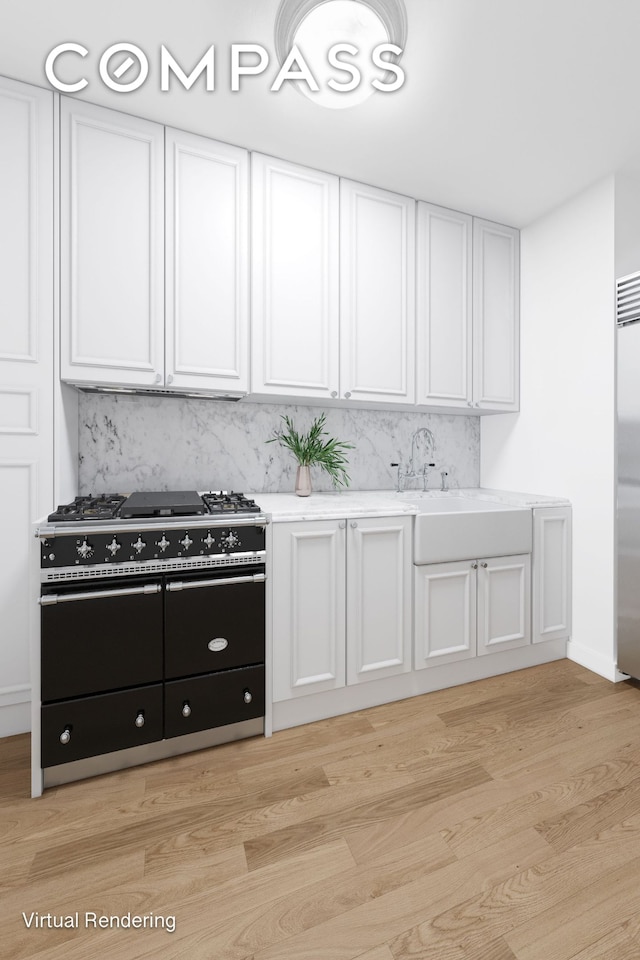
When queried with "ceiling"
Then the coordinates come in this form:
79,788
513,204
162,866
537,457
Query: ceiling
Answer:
509,108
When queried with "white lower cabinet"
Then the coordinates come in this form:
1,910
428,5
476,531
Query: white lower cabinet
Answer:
551,573
471,607
342,603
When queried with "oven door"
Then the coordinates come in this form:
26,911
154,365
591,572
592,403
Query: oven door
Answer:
214,623
98,638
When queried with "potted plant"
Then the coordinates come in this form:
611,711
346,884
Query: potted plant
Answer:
315,447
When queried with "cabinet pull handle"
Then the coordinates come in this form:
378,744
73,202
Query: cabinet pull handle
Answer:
217,645
158,378
140,719
170,378
186,709
65,736
248,697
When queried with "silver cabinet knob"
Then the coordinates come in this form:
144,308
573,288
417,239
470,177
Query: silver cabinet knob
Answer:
140,719
347,395
342,524
474,566
65,736
170,378
485,565
334,394
248,697
187,542
476,404
354,525
469,403
158,378
186,709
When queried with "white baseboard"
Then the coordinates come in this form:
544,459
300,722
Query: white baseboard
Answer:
596,662
15,710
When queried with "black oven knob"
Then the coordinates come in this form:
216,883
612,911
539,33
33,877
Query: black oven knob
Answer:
113,547
139,545
85,549
230,541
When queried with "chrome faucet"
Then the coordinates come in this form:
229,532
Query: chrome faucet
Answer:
422,448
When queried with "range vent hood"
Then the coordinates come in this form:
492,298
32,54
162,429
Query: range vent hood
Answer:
628,299
160,392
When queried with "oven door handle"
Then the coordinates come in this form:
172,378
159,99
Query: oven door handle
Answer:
51,598
177,585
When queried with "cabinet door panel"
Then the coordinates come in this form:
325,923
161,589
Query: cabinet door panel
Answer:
377,298
444,332
551,573
308,582
378,598
112,229
445,613
207,255
295,307
496,315
26,372
504,604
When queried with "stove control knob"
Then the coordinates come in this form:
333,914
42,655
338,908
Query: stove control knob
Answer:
163,544
139,545
65,736
113,547
231,540
85,550
140,719
209,541
186,709
187,542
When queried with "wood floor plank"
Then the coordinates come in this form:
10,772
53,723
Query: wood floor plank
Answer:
583,918
553,809
389,805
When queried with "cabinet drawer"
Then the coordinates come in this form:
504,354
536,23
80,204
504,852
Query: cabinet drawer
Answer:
100,724
94,640
213,701
210,628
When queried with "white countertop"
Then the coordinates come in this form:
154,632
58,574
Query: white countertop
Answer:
283,507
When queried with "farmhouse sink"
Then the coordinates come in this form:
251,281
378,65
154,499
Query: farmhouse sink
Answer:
463,528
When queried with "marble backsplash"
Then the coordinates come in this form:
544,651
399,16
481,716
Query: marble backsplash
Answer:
131,443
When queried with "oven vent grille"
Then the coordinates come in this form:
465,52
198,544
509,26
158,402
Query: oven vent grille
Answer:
149,566
628,299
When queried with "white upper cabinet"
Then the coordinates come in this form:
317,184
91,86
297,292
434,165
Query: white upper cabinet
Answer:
377,294
207,256
444,308
496,316
112,228
295,263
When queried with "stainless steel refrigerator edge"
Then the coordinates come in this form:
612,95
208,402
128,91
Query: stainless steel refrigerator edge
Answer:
628,473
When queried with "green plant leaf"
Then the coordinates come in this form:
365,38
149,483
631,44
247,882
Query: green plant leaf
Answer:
316,447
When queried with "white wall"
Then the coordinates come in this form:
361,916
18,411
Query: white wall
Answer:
562,443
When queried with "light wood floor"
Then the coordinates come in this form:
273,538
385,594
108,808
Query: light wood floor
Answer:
493,821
